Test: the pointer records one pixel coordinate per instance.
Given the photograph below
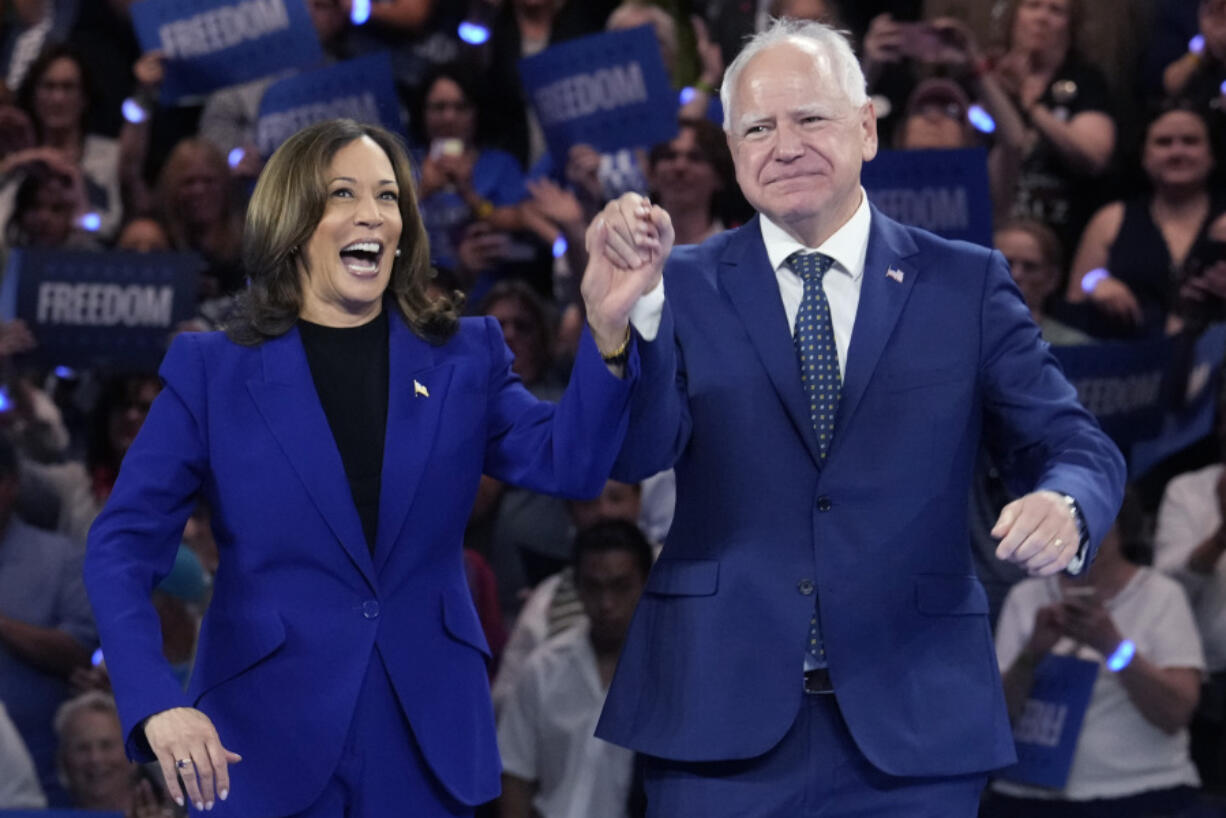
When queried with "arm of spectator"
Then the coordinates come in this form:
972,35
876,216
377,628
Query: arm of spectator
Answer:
1106,292
583,174
480,248
405,15
882,46
1019,677
39,430
51,650
1165,696
149,70
1210,283
1086,141
516,798
563,210
712,61
1178,74
16,130
1182,549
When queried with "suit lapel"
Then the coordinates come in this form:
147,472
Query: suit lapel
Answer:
748,279
287,399
882,298
412,416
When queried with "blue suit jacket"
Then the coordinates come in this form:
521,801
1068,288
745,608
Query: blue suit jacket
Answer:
938,361
299,602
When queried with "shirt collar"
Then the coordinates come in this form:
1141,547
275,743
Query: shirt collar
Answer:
847,245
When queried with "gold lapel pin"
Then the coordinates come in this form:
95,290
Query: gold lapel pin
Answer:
419,390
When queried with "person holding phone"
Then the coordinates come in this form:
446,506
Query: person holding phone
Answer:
1132,754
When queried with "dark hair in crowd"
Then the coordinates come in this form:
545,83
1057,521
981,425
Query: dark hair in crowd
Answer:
470,86
285,210
613,535
29,83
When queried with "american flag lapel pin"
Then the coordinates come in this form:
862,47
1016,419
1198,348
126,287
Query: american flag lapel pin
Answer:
894,273
420,390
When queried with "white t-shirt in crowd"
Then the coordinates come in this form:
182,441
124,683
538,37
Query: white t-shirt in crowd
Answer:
546,733
1119,753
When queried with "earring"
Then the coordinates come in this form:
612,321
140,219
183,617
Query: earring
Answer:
397,252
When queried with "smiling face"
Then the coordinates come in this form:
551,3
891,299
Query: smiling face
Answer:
448,112
346,265
683,176
93,760
1177,152
1042,25
59,96
798,143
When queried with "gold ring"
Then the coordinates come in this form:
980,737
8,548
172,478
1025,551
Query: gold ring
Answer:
1057,542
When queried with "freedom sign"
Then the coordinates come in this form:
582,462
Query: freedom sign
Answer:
211,44
361,89
1046,732
608,90
112,309
943,191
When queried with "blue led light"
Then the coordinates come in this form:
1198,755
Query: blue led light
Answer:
1197,44
1222,87
687,94
559,246
96,659
65,373
236,156
1093,278
134,112
360,12
6,403
980,119
1119,660
90,222
473,33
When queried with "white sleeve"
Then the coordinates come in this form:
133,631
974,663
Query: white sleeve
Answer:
1014,625
518,735
531,628
19,787
646,313
1171,638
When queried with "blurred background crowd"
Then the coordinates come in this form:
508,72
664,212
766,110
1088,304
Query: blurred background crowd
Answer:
1101,124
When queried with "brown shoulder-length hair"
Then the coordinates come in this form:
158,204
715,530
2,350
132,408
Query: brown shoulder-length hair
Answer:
285,209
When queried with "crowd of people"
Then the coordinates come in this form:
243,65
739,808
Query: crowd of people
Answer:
1102,142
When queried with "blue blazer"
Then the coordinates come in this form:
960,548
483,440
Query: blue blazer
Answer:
939,361
299,603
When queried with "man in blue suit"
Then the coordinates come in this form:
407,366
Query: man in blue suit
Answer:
813,640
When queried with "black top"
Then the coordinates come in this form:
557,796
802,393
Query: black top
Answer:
349,366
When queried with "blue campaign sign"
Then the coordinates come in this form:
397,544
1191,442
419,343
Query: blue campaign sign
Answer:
942,191
608,90
109,309
210,44
1123,384
1046,733
360,89
1184,424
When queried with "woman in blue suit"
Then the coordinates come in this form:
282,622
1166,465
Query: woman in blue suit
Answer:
338,430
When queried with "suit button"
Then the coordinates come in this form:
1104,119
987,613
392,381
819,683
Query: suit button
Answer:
823,504
370,609
805,586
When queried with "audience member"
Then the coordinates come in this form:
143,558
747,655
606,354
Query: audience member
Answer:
1199,74
553,766
692,179
936,118
143,234
1189,542
57,95
1139,259
47,208
553,605
1131,757
92,765
1044,170
46,626
19,787
1036,263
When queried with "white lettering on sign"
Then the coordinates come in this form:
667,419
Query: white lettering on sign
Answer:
222,28
582,94
932,208
273,129
1041,723
104,305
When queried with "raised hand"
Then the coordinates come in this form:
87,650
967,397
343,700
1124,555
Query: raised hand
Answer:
627,246
1038,531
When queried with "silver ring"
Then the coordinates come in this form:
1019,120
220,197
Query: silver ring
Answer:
1059,543
183,763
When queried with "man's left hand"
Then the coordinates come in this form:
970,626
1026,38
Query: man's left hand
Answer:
1038,532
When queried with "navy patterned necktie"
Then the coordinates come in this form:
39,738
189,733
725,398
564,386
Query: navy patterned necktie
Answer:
815,349
819,372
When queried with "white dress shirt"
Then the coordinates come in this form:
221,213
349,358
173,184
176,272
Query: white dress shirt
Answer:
848,246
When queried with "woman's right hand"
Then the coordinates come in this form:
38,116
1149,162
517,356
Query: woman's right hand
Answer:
189,750
1113,297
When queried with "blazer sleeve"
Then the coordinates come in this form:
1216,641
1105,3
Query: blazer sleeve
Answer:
133,542
566,449
659,413
1042,435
